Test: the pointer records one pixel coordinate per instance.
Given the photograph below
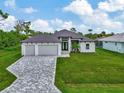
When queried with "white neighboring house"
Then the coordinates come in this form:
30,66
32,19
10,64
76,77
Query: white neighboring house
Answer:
114,43
57,44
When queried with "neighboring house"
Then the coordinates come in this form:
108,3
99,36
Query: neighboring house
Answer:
56,44
114,43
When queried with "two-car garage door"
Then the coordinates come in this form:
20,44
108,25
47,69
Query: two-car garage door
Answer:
42,50
47,50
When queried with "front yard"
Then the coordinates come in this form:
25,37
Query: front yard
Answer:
100,72
7,57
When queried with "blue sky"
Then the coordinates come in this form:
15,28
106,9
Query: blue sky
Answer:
47,9
49,15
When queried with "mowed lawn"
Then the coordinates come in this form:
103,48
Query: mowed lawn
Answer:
100,72
7,57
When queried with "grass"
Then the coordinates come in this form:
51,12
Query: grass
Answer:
7,57
100,72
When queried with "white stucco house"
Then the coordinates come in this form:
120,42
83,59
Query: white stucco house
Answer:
114,43
56,44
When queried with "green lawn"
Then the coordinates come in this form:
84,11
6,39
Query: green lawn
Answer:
7,57
100,72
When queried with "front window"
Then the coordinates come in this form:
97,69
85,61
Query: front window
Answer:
87,46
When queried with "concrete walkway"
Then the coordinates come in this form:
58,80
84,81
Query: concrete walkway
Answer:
34,75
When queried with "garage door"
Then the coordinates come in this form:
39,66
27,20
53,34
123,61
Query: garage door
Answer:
50,50
29,50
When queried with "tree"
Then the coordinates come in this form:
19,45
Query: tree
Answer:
22,26
75,46
19,27
73,29
112,33
103,33
90,30
26,28
56,31
80,33
3,16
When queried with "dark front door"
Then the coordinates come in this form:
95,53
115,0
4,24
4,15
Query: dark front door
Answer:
65,46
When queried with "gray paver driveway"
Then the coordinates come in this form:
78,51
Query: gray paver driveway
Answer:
34,74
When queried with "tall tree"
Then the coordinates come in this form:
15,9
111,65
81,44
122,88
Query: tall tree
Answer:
90,30
22,26
103,33
3,16
19,27
73,29
27,29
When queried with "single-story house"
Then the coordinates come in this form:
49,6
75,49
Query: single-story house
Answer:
114,43
56,44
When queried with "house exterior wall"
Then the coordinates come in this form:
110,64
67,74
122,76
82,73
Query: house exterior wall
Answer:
83,47
122,47
22,49
36,47
114,46
69,45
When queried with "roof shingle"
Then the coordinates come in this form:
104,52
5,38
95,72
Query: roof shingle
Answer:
114,38
54,38
67,33
42,39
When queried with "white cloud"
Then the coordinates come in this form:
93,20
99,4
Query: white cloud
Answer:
101,20
94,18
29,10
10,3
119,17
83,28
60,24
41,25
111,5
80,7
8,24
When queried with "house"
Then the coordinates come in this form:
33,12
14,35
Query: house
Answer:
56,44
114,43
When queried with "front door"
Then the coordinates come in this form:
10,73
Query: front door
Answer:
65,46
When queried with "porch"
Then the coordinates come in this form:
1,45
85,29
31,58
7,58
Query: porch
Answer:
68,45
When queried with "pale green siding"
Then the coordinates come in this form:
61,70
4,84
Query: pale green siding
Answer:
114,46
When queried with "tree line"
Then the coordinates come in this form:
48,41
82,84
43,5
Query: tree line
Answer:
22,31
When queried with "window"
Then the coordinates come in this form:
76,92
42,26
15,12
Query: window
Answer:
115,43
106,42
87,46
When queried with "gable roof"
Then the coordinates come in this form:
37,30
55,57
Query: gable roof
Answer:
67,33
114,38
73,35
42,39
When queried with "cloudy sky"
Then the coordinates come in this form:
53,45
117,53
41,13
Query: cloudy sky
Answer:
50,15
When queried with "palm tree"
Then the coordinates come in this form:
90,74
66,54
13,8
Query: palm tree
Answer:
3,16
73,29
90,30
